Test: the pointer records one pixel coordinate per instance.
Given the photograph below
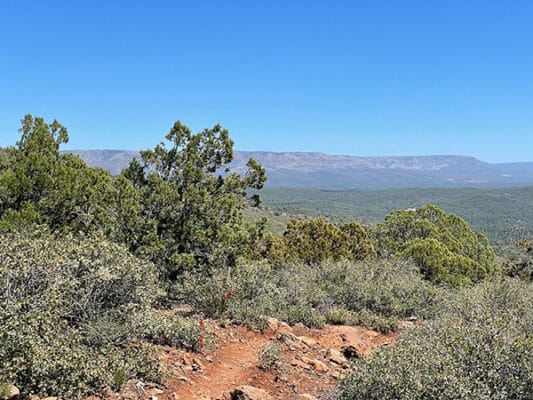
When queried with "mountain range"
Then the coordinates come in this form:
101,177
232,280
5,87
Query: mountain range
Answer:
319,170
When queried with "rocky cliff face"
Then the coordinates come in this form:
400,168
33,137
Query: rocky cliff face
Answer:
326,171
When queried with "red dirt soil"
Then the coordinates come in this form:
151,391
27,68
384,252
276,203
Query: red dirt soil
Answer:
307,366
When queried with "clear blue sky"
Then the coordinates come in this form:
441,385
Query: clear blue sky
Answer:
343,77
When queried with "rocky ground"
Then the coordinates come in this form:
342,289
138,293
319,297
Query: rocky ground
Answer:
307,366
311,362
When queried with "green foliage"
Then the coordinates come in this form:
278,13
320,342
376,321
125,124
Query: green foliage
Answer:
316,240
65,307
519,261
444,247
189,214
365,318
271,357
371,320
167,330
38,184
5,390
308,294
482,348
505,215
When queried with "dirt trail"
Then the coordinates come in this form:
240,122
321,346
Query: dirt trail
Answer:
313,361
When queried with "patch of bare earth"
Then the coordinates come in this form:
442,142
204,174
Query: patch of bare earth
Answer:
313,361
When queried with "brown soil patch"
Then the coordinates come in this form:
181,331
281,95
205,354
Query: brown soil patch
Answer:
307,366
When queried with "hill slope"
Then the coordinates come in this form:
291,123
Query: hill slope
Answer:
319,170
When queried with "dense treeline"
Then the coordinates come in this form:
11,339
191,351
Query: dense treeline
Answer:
90,260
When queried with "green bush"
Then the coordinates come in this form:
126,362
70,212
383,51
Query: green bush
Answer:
271,357
65,313
482,348
444,247
167,330
302,293
316,240
5,390
391,288
519,261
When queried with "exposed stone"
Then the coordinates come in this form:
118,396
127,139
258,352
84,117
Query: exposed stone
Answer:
278,326
306,396
14,393
297,363
307,340
246,392
336,357
291,340
319,366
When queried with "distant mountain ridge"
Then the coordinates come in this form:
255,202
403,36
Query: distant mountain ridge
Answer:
320,170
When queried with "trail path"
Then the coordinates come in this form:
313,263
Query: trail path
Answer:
312,362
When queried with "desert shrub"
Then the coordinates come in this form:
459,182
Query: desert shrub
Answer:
391,288
340,316
167,330
481,349
271,357
40,353
371,320
5,390
365,318
307,294
66,307
245,293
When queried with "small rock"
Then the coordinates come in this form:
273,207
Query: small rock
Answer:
278,326
246,392
336,374
155,391
336,357
306,396
183,378
307,340
14,393
319,366
291,340
187,359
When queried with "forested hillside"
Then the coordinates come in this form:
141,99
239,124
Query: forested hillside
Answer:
505,214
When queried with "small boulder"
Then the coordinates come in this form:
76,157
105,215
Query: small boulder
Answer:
291,340
336,357
278,326
246,392
319,366
307,341
14,393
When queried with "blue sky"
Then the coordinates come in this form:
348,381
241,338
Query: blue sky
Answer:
343,77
